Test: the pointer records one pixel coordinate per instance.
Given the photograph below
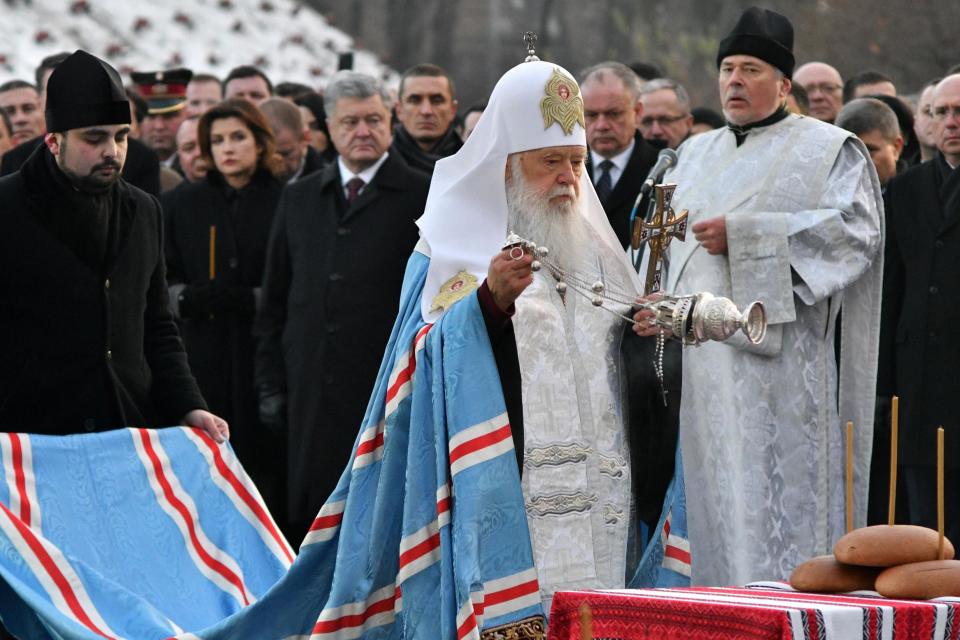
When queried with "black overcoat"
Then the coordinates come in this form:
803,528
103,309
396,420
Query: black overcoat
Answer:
330,296
221,347
920,329
82,349
624,194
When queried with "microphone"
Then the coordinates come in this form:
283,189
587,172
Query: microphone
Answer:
665,159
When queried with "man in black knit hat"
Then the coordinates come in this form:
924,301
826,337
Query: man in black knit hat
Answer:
87,342
783,209
142,168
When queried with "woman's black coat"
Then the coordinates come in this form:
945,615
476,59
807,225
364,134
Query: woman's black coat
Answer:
220,344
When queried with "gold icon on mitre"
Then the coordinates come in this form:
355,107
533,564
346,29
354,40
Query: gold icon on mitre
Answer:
454,290
563,103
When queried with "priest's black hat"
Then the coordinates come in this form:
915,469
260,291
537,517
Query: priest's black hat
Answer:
85,91
763,34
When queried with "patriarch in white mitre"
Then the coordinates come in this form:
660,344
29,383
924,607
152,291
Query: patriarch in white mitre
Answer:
522,171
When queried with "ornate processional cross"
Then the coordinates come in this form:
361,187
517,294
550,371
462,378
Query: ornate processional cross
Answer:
658,233
664,227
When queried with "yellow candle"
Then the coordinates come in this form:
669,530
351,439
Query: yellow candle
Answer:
894,429
940,493
849,476
213,252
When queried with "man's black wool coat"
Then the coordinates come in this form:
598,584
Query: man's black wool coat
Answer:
330,296
920,328
84,348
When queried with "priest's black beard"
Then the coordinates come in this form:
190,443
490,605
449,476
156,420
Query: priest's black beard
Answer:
89,183
559,227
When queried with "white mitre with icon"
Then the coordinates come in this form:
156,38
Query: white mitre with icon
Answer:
534,105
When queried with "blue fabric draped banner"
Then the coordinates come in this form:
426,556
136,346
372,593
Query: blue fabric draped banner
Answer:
154,534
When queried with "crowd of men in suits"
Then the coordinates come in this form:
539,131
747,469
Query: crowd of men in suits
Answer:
356,167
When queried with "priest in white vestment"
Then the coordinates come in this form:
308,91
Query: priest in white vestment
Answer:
786,210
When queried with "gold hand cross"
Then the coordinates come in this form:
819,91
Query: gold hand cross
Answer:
658,233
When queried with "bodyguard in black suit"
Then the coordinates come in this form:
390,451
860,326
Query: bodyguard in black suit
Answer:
619,162
619,203
335,264
920,329
619,157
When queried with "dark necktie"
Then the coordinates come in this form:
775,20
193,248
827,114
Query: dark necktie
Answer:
604,183
353,189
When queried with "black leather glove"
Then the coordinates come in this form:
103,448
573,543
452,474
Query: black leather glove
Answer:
195,300
231,299
273,410
213,298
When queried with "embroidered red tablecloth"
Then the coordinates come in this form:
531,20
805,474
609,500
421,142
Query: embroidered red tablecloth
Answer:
762,611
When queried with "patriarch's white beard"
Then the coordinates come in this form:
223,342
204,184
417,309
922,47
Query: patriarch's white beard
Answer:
559,227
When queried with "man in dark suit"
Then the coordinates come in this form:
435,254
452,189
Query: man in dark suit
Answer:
86,337
919,338
619,162
619,157
876,125
292,139
335,264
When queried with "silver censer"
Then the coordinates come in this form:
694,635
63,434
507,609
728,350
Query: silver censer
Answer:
703,316
692,318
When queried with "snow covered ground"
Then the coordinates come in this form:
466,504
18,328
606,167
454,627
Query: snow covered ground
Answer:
287,40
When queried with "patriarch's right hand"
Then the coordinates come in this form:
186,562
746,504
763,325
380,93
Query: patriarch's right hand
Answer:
507,278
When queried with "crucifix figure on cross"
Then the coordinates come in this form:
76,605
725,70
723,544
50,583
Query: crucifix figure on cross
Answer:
662,228
530,40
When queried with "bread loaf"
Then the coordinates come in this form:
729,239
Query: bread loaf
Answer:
887,546
824,574
921,580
